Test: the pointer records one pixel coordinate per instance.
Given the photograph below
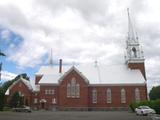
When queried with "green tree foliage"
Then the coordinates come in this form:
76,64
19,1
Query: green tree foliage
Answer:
155,93
154,104
16,100
4,88
2,54
1,99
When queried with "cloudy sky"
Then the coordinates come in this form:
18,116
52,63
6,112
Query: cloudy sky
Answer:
78,31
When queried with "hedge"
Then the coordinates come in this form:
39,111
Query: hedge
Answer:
154,104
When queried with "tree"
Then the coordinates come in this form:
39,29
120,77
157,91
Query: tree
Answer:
2,54
1,98
16,100
2,95
155,93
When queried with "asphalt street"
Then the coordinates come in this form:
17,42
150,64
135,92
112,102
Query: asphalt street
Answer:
72,115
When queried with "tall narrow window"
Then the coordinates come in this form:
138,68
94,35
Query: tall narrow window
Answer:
137,95
73,89
54,101
35,100
77,90
109,96
52,91
123,96
94,96
68,90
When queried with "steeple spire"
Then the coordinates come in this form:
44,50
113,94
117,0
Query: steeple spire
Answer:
132,35
134,57
134,52
51,59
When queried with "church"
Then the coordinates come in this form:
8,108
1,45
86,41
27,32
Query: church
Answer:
93,86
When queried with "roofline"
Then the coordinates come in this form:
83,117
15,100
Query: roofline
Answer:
120,84
48,84
129,60
14,83
38,74
73,68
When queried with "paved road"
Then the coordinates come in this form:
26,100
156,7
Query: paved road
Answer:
70,115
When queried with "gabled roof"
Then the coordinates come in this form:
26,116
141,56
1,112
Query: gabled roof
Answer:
26,82
95,74
75,69
111,74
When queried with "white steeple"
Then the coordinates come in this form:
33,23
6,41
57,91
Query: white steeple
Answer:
51,59
134,52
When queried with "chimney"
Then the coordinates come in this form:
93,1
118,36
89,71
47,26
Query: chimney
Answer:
60,65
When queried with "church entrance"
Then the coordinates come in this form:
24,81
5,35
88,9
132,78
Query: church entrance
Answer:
43,103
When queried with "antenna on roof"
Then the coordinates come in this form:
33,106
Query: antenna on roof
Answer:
51,59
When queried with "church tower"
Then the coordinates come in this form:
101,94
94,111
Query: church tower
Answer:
134,57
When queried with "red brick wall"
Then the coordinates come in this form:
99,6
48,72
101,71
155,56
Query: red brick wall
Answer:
116,95
49,97
139,66
82,101
85,100
21,87
37,96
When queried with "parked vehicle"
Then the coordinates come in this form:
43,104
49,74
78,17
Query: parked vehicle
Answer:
22,109
144,110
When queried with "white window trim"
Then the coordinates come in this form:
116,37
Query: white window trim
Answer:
94,96
73,89
35,100
123,95
52,91
137,95
54,101
109,95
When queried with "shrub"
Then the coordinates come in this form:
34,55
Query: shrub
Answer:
154,104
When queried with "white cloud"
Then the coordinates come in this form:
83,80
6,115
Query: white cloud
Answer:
5,34
81,31
7,75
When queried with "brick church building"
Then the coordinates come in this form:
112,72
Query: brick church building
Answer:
88,86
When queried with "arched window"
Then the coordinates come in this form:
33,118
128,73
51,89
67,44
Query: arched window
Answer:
94,96
68,90
123,96
134,52
109,96
137,95
77,90
73,89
